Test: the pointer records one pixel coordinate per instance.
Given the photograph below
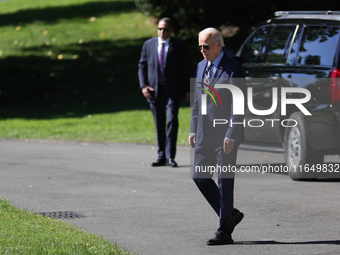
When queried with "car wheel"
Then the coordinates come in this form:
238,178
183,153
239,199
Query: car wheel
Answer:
297,150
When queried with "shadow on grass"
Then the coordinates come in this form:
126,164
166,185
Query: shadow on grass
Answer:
54,14
102,79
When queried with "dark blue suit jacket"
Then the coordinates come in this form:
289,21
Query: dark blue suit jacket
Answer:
229,71
177,68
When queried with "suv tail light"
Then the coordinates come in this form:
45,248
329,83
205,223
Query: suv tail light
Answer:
334,86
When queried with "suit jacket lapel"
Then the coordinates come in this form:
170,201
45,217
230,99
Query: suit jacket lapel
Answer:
201,69
219,69
155,47
168,55
200,72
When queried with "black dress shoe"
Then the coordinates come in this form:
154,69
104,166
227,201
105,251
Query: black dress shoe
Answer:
159,162
171,162
220,238
236,218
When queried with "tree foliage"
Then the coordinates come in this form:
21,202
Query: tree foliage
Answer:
191,16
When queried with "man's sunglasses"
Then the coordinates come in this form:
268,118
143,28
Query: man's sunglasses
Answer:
206,47
164,29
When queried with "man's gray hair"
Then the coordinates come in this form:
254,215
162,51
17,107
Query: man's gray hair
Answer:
215,33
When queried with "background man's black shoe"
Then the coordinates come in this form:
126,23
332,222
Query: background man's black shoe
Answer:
220,238
171,162
235,219
159,162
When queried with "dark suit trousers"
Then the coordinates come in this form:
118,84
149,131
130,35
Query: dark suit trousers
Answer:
220,197
165,113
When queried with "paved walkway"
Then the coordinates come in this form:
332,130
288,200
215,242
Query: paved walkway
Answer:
159,210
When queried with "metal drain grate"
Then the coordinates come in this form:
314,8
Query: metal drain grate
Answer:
63,215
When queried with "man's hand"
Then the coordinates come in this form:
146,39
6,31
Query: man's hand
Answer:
145,91
192,140
228,145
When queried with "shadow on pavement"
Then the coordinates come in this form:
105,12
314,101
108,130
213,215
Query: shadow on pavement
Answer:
336,242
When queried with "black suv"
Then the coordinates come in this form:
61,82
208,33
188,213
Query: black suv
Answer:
295,50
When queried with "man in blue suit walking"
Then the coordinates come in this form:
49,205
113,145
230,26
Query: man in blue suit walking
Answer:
216,145
164,78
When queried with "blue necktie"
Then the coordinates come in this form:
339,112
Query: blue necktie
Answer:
207,75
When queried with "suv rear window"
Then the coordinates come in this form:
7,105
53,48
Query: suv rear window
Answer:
318,45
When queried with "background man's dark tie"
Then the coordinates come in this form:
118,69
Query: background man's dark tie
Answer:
161,78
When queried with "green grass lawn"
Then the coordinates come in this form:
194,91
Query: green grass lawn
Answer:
23,232
68,71
126,126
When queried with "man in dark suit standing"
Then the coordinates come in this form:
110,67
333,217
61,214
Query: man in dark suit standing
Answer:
164,78
216,145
